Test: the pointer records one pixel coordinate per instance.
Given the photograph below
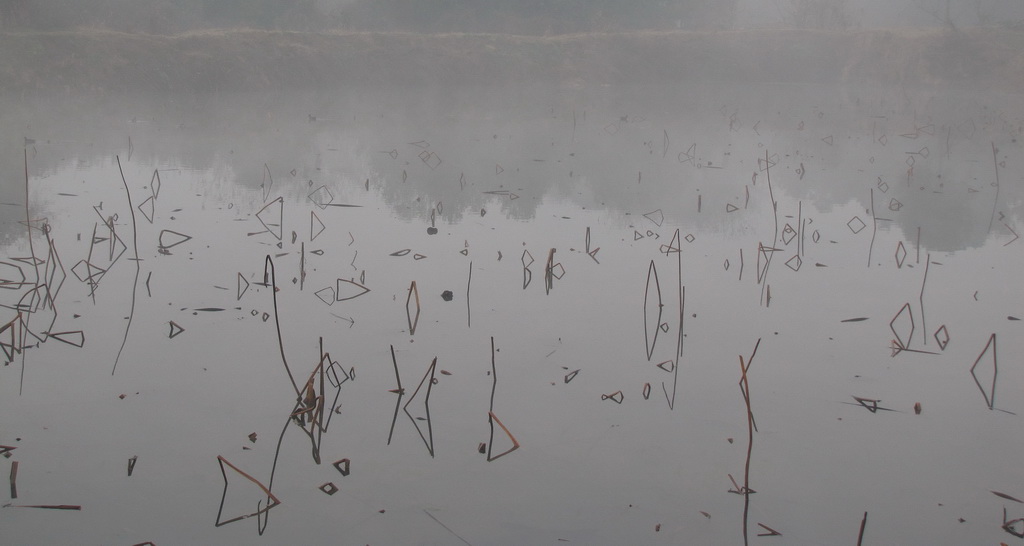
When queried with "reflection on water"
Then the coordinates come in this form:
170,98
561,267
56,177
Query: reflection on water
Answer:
321,299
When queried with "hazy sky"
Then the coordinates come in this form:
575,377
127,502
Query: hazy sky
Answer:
889,13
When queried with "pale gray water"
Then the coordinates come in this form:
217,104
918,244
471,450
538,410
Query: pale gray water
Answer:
589,471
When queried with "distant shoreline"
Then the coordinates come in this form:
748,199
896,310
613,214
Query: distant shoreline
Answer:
231,60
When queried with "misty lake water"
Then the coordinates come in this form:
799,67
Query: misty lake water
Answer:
254,317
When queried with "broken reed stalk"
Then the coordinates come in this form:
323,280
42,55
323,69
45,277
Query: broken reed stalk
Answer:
863,523
649,344
400,391
263,520
14,479
775,240
469,310
398,377
272,500
995,202
750,448
46,506
494,389
549,277
874,225
494,378
28,218
745,389
515,443
492,418
920,299
771,195
413,291
32,251
428,377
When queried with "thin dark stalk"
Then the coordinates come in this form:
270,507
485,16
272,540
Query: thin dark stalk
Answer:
494,375
14,479
428,378
28,220
995,202
745,389
399,391
771,195
775,239
800,228
863,523
494,389
874,226
549,276
650,343
469,310
918,259
138,267
268,268
446,528
920,298
35,264
397,376
270,484
679,334
46,506
750,450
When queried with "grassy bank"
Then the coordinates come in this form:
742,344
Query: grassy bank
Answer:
231,60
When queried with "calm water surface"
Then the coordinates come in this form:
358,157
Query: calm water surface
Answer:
627,268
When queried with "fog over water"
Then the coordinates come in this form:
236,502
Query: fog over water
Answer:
689,275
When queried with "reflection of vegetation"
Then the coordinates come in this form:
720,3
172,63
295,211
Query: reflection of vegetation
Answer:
529,132
595,163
